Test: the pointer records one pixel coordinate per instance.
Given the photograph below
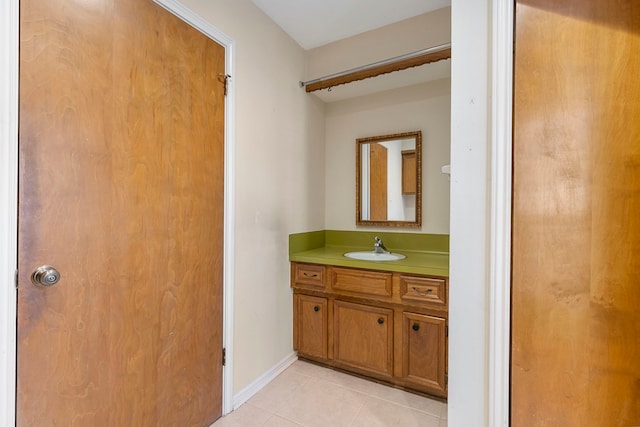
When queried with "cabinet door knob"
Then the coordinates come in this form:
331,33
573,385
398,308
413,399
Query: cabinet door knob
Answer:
316,308
415,327
380,321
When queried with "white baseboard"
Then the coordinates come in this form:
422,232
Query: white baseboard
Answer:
246,393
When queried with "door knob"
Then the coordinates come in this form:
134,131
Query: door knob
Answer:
45,276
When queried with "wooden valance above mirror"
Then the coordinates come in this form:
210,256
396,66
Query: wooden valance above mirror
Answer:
389,180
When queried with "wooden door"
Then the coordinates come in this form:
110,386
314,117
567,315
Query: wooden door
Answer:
576,214
378,182
121,189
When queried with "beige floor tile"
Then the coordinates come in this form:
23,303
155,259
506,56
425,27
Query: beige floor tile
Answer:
445,411
278,391
246,415
400,397
276,421
345,380
381,413
409,400
310,395
304,368
321,403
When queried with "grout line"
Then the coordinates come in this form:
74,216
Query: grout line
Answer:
438,416
357,415
284,418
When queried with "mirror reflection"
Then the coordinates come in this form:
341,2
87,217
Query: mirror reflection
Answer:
389,180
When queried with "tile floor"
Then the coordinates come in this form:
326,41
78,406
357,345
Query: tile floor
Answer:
309,395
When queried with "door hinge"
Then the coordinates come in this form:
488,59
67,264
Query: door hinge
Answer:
15,279
224,356
446,379
446,330
226,78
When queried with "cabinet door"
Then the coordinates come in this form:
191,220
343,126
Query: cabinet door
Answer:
310,322
424,350
363,337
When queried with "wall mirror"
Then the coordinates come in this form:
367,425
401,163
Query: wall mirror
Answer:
389,180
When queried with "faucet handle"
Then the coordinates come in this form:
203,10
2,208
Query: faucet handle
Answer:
378,246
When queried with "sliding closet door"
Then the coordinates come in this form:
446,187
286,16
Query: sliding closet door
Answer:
576,214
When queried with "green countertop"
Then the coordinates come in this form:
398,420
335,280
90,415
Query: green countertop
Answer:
425,253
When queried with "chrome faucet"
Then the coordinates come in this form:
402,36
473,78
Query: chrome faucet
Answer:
378,246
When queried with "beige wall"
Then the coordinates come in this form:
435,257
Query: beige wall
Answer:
425,107
280,187
279,175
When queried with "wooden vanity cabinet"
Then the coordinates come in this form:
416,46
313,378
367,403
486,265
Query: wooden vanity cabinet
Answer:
387,325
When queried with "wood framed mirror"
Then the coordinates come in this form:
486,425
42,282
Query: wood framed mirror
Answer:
389,180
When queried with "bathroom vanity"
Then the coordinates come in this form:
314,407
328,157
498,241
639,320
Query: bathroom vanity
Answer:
384,320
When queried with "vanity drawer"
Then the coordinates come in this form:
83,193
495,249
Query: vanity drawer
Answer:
362,282
308,275
423,289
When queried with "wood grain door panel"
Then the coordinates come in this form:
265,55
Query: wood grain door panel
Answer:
121,189
310,318
424,350
378,182
576,204
363,337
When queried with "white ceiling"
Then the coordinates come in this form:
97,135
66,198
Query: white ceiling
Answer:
314,23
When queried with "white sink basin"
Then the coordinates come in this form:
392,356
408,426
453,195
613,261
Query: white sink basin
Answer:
374,256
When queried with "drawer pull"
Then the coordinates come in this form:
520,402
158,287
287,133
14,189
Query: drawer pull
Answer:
415,327
428,291
314,275
316,309
380,321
